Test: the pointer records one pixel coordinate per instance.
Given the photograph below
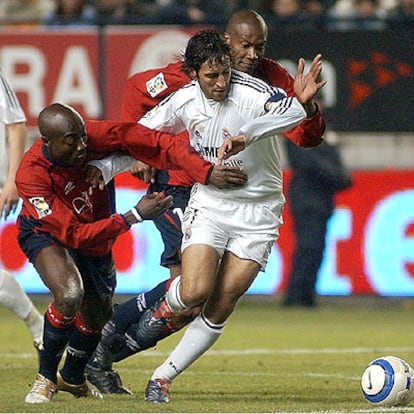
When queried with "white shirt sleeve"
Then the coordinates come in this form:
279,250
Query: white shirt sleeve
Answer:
282,116
113,164
165,116
10,109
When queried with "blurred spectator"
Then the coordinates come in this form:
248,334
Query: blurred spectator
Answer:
260,6
286,8
191,12
314,8
342,8
317,174
71,13
16,11
297,14
124,11
404,8
356,14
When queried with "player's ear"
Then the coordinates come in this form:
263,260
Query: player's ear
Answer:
193,74
46,141
226,37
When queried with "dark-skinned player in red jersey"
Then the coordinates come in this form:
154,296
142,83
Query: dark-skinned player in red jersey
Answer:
67,229
246,33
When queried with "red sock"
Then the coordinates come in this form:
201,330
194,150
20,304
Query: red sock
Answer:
57,319
84,328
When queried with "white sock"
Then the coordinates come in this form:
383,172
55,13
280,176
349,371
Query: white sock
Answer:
198,338
14,298
173,296
35,324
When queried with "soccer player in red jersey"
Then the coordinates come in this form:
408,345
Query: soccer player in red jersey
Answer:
67,229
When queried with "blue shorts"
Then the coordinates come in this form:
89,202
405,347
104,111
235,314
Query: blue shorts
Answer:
169,224
98,273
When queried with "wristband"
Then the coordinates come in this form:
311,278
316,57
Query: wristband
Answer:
135,213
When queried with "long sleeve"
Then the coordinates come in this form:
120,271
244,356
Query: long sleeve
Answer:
155,148
310,131
113,164
283,115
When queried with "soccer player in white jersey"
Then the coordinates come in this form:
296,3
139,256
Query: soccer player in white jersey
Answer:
12,146
228,234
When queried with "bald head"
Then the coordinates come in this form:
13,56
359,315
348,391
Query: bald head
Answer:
57,119
63,132
247,18
246,33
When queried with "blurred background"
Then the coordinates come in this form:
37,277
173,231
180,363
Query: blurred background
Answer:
81,52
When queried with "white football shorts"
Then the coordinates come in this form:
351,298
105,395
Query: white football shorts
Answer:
248,230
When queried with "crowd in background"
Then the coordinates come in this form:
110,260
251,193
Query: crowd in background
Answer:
338,14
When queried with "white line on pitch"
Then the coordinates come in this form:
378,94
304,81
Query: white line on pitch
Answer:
151,353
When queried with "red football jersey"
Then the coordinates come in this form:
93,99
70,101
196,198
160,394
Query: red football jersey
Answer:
146,89
58,201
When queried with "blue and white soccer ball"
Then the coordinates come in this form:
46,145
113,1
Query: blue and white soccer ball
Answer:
388,381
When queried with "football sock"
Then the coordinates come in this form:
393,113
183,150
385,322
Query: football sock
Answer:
57,330
130,345
198,338
111,342
82,343
34,322
173,297
129,312
114,346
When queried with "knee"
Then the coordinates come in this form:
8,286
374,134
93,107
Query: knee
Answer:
68,300
193,295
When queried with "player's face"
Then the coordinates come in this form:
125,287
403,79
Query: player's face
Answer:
248,44
214,79
70,148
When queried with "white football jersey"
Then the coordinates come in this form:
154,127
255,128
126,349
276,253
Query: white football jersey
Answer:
10,113
243,110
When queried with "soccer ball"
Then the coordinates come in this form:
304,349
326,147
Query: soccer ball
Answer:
388,381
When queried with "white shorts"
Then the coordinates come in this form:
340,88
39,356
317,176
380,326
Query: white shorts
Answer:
248,230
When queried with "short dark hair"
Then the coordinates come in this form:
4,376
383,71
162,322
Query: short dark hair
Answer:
206,46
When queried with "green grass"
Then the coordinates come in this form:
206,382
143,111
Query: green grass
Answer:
269,359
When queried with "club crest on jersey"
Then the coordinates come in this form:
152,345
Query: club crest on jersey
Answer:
41,206
156,85
187,234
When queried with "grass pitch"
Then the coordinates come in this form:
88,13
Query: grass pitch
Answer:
270,359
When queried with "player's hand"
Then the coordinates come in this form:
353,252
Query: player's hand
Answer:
231,146
307,86
224,176
94,177
8,200
153,205
144,172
